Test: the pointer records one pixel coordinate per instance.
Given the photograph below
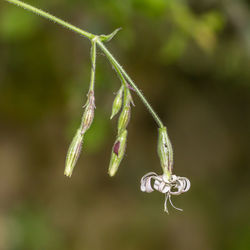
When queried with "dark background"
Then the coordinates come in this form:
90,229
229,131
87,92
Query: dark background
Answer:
191,59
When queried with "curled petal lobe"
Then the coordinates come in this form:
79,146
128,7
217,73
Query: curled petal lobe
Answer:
176,185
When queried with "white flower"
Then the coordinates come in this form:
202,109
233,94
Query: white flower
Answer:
175,186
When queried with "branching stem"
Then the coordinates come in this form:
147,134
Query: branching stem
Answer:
131,82
91,36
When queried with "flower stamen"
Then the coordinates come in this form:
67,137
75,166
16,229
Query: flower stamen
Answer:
176,185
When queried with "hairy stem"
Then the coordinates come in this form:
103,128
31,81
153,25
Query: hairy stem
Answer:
51,17
93,64
115,63
91,36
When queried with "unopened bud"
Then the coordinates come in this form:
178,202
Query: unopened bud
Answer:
165,152
88,114
124,118
118,152
73,153
117,102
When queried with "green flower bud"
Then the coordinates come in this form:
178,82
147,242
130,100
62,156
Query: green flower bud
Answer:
88,114
124,118
126,111
118,152
165,152
73,153
117,103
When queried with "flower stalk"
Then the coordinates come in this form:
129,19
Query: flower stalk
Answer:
99,42
87,119
167,183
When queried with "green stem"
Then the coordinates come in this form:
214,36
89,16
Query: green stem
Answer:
115,63
90,36
51,17
120,75
93,64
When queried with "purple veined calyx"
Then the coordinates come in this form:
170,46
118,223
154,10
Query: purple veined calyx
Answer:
176,185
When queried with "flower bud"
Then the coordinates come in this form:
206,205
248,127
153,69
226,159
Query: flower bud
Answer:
124,118
73,153
117,103
88,114
117,153
165,152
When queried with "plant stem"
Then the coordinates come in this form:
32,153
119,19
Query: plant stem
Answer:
131,82
91,36
52,18
93,65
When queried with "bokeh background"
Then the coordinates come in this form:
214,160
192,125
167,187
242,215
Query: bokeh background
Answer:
191,59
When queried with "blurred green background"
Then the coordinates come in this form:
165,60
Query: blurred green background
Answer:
192,61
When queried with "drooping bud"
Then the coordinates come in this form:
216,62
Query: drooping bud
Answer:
165,152
117,102
118,152
124,118
126,112
88,114
73,153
